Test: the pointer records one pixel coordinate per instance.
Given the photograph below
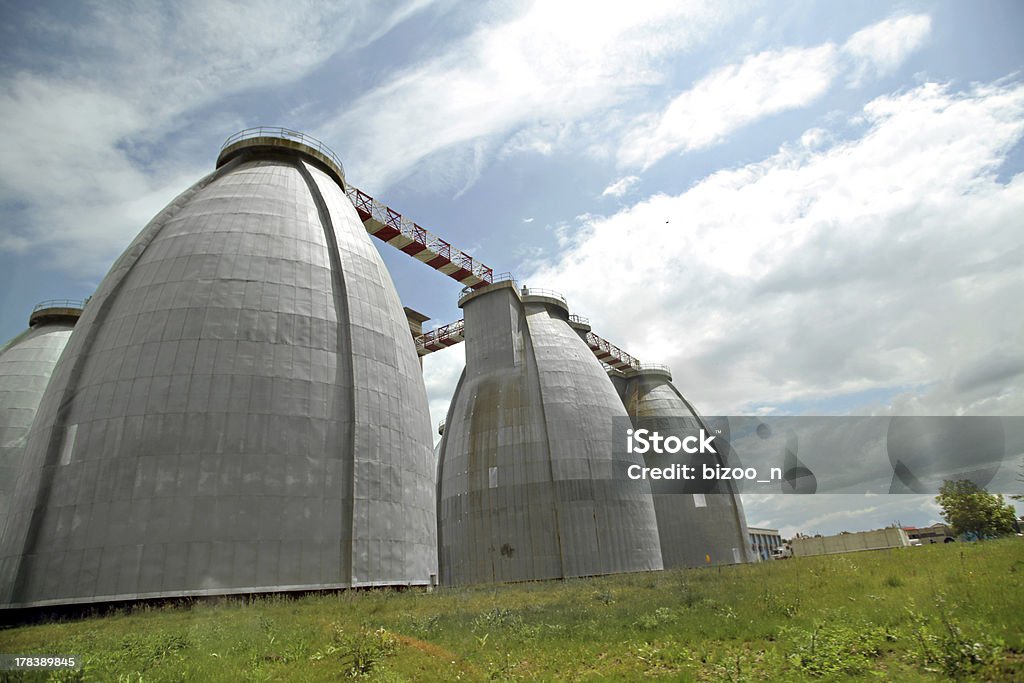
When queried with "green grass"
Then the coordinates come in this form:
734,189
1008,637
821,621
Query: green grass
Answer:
928,613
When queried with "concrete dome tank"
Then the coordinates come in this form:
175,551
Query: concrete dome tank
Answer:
526,487
241,408
695,529
26,364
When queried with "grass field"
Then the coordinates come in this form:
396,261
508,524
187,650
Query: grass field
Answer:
927,613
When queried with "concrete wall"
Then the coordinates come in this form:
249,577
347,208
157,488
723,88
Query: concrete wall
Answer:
525,477
848,543
240,409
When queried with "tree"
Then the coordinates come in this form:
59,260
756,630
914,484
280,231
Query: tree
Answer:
973,510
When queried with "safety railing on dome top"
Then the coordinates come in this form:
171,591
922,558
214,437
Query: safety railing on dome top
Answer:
655,366
285,134
504,277
60,303
536,291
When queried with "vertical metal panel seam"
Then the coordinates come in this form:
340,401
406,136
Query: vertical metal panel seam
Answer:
525,329
340,296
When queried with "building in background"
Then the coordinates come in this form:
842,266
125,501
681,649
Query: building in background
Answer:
764,541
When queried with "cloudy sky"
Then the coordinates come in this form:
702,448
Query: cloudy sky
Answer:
802,208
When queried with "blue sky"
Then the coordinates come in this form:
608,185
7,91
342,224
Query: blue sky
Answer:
801,207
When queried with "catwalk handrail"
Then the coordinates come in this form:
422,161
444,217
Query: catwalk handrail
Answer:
387,216
536,291
655,366
59,303
285,134
599,343
455,329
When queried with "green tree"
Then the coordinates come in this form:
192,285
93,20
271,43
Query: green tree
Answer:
972,510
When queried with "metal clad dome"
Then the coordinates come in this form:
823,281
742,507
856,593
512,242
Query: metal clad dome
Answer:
695,530
26,364
525,483
240,410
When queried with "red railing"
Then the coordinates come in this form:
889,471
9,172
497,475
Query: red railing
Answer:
611,354
441,338
386,224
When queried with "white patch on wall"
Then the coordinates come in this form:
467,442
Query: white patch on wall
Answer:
492,477
699,500
68,446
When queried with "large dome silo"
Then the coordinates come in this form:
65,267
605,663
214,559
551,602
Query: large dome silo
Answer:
526,485
696,529
241,408
26,364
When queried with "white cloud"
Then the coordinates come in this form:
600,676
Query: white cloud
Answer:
767,83
729,98
988,383
557,62
441,371
88,127
620,186
832,513
889,260
880,48
72,146
184,54
540,138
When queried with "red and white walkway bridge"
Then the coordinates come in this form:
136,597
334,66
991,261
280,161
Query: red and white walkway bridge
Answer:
441,338
391,227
